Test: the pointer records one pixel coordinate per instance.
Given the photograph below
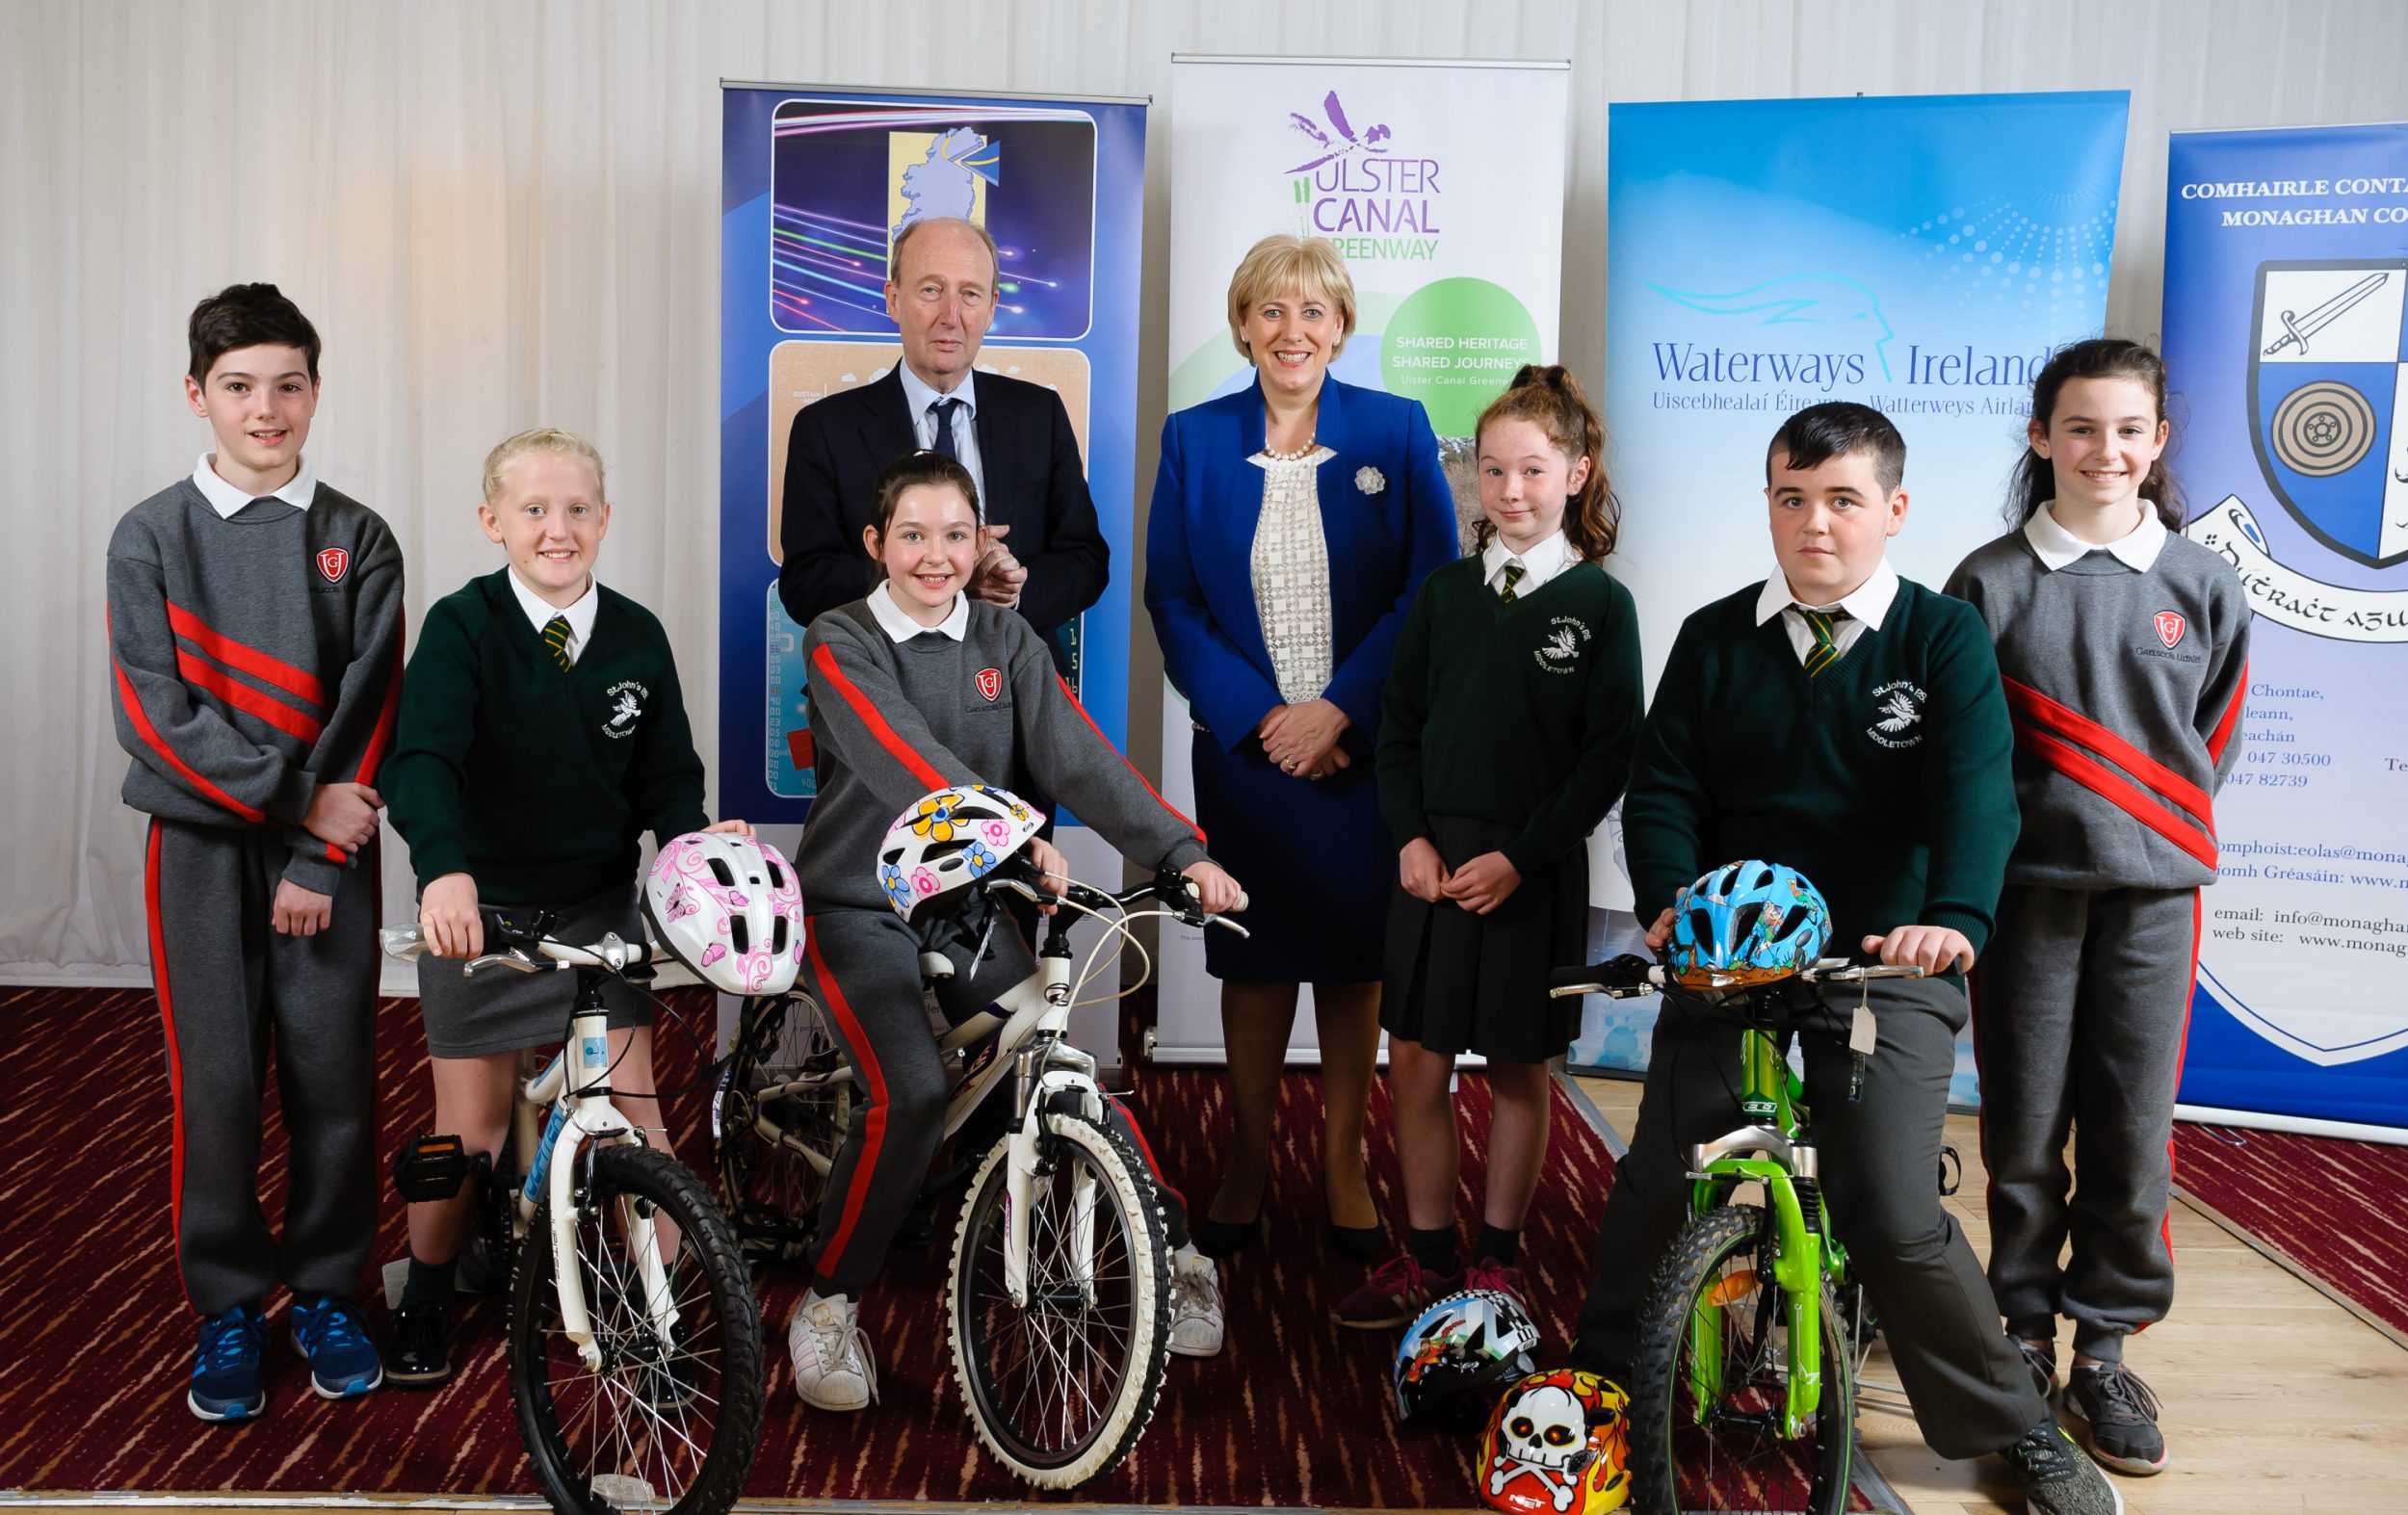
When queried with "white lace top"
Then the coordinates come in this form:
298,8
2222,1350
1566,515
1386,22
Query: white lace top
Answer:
1291,564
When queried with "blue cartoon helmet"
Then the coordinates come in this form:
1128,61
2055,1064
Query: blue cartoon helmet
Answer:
1746,924
949,837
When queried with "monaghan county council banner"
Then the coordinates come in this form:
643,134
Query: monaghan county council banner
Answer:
1767,255
1442,185
2287,340
815,183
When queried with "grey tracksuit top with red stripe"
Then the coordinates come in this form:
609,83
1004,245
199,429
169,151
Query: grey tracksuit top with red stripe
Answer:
892,720
2125,689
253,658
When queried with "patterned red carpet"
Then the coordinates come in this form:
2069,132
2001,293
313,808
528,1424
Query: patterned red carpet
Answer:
2335,1208
1294,1412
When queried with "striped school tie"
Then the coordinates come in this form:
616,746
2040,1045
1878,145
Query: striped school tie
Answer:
555,638
1827,648
1513,573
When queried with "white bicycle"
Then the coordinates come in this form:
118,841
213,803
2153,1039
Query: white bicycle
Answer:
1059,1298
637,1378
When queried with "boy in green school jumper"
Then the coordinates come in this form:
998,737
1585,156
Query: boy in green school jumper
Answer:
1849,724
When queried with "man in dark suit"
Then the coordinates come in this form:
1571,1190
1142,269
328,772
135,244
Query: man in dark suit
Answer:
1041,549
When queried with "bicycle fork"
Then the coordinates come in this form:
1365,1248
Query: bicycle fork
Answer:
1041,1075
585,1116
1797,1246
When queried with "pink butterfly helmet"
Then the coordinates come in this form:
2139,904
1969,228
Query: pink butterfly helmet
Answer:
729,908
949,837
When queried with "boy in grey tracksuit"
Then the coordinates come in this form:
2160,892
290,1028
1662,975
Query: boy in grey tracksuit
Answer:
2125,668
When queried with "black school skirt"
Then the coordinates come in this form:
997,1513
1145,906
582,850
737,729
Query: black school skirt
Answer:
1455,982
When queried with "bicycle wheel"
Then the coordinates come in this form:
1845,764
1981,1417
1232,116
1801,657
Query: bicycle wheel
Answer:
1061,1389
773,1152
671,1420
1728,1453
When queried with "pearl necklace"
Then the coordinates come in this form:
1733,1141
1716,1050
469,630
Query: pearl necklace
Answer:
1310,447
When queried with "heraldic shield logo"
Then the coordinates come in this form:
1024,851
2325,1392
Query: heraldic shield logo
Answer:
2328,400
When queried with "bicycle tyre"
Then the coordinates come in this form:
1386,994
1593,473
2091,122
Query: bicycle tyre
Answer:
677,1429
1110,1351
772,1190
1681,1462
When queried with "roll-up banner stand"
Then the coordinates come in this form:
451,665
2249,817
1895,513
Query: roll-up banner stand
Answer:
1442,185
1756,266
815,182
2286,346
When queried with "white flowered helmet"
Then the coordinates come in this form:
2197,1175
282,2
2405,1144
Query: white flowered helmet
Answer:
951,837
729,907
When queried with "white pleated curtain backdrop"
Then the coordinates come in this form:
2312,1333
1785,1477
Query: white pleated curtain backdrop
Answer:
504,214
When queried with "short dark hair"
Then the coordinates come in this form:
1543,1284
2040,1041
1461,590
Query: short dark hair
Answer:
1835,429
245,315
913,469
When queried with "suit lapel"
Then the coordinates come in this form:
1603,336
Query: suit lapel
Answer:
886,430
999,445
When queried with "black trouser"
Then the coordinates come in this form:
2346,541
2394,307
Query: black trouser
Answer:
1881,1159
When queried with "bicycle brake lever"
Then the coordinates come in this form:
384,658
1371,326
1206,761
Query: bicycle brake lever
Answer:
402,943
511,959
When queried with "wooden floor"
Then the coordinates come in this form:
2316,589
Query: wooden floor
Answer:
2275,1399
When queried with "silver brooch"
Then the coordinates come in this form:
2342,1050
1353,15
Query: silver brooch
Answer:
1371,481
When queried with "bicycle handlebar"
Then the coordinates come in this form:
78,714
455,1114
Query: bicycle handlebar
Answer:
1172,890
612,953
1628,975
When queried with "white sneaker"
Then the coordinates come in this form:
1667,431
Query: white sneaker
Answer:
1196,1325
832,1366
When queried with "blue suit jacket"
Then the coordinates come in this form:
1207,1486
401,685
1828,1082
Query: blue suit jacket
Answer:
1383,542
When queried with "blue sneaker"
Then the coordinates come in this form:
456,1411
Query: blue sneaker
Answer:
226,1369
342,1360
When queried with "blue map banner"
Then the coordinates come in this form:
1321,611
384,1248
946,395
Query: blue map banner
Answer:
815,182
2287,340
1768,255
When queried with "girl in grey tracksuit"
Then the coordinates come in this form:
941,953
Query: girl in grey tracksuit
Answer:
2123,647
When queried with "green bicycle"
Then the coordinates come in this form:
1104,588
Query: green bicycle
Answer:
1744,1395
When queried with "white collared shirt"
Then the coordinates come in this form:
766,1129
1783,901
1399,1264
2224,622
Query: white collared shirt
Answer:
1541,562
224,499
2054,546
896,622
581,614
1866,606
919,396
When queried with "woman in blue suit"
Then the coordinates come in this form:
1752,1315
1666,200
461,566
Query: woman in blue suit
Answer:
1291,523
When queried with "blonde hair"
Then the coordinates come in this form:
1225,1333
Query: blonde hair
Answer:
540,439
1282,264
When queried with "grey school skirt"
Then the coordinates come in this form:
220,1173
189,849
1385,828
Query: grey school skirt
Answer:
502,1009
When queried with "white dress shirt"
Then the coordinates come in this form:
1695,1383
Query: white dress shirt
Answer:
896,622
224,499
581,614
1544,561
2136,549
1866,606
919,396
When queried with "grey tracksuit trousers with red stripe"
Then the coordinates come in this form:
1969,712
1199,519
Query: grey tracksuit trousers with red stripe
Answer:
2125,671
232,989
864,967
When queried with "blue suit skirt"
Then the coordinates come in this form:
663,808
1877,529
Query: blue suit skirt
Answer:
1315,860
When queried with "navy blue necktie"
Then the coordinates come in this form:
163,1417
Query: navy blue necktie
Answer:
943,411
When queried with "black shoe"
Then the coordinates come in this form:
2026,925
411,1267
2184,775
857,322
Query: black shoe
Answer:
917,1230
2040,1357
2058,1479
1221,1238
1362,1243
418,1353
2121,1416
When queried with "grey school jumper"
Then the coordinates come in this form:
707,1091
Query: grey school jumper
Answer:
2124,670
253,658
891,722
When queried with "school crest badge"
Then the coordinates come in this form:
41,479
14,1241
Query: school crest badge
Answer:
990,682
2328,392
2170,628
333,563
